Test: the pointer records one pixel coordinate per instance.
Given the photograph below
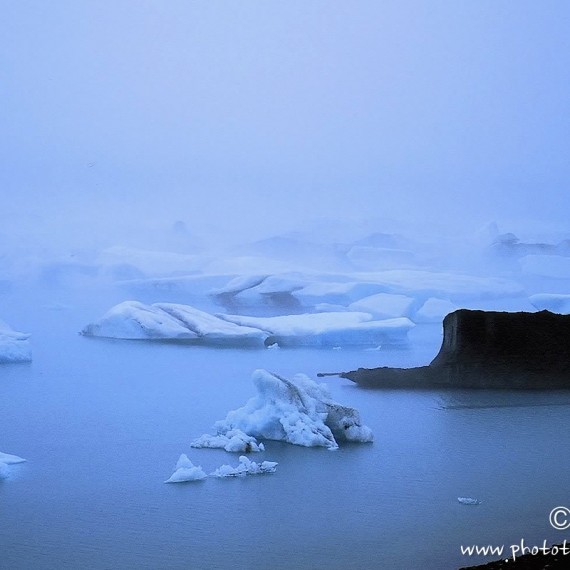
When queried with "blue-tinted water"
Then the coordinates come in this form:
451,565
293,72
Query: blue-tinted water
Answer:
102,424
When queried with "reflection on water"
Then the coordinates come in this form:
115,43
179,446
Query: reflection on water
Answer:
102,424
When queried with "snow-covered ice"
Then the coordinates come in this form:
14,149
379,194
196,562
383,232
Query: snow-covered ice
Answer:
299,411
348,328
134,320
186,471
14,346
168,321
233,440
245,467
210,328
555,303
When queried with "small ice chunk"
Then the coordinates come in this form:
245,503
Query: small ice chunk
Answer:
233,440
185,471
468,501
3,470
245,467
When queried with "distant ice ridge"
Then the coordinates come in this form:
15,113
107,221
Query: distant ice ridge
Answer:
186,471
299,411
14,346
169,321
551,302
245,467
5,460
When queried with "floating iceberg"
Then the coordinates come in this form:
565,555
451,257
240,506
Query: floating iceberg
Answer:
234,441
551,302
134,320
14,346
168,321
245,467
298,411
347,328
186,471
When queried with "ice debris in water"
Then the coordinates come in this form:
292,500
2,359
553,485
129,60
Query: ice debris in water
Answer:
185,471
233,440
245,467
5,460
299,411
468,501
14,346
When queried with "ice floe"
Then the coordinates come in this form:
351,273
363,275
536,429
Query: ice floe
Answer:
14,346
186,471
298,411
233,440
245,467
348,328
170,321
134,320
468,501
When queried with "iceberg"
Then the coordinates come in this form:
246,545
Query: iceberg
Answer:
14,346
186,471
211,329
349,328
298,411
169,321
245,467
234,441
133,320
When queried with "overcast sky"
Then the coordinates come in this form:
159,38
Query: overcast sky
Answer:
242,114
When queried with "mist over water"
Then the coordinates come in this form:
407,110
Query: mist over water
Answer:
386,161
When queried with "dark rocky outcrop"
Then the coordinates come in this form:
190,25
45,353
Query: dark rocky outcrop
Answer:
488,349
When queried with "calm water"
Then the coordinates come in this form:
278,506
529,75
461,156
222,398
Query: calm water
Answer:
102,424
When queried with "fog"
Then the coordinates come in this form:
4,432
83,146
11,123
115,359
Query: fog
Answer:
245,119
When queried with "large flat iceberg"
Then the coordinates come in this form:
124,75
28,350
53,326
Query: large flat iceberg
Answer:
170,321
14,346
298,411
